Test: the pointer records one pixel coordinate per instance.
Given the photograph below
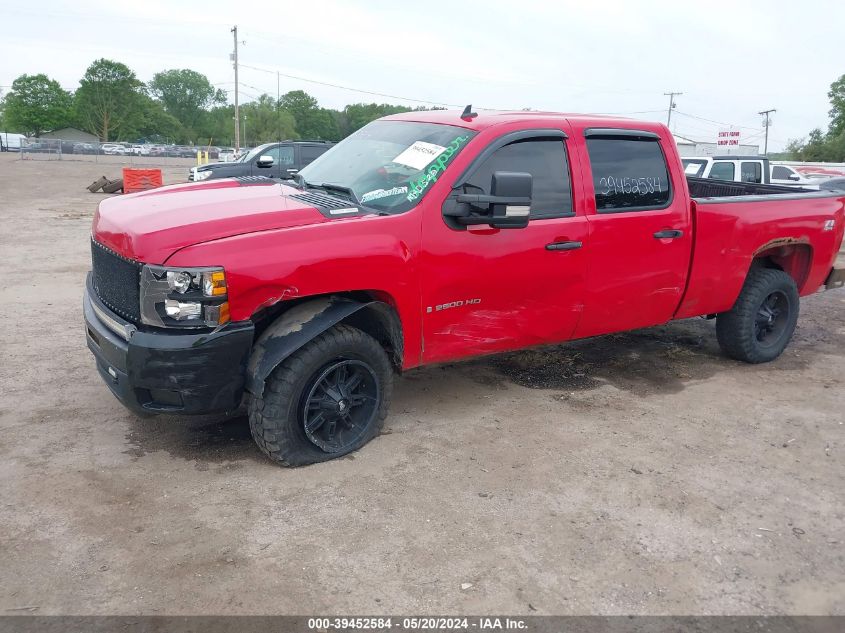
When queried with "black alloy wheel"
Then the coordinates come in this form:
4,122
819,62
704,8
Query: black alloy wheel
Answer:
772,318
340,405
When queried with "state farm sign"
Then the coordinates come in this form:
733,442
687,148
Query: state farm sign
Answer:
728,138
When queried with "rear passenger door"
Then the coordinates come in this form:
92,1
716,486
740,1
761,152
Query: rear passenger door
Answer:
640,241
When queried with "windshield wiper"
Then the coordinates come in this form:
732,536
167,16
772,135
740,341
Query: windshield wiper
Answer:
299,181
328,186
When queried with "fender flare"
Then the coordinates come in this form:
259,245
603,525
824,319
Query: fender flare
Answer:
293,329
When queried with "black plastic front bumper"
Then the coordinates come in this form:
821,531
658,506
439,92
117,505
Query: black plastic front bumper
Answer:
157,371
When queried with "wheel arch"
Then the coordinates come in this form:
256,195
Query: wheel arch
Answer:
792,256
290,325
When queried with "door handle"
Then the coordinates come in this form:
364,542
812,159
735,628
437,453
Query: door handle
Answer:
668,234
563,246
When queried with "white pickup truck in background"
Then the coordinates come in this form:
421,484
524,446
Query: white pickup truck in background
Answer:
753,169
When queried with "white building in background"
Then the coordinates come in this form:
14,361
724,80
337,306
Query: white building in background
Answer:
11,142
689,147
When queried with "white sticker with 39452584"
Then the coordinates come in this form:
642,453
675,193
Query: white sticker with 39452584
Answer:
419,154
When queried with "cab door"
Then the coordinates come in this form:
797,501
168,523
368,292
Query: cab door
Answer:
640,231
487,289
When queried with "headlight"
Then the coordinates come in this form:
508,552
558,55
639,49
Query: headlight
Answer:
202,175
179,280
184,297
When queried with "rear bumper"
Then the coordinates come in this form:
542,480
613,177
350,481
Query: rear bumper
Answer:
836,278
167,372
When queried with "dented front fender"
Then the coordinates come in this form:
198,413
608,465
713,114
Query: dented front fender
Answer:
291,331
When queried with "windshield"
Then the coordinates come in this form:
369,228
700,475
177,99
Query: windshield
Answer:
388,165
693,167
255,151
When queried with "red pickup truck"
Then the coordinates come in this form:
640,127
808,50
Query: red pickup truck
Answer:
428,237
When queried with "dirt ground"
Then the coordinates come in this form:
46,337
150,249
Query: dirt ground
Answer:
641,473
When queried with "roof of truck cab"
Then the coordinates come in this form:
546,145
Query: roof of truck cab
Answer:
489,118
740,157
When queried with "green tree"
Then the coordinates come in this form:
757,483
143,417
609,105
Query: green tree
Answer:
218,127
837,110
357,115
186,95
155,122
312,121
36,104
830,147
263,121
110,100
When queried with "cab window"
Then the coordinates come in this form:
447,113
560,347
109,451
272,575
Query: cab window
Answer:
543,158
282,154
308,153
629,173
723,171
751,172
781,173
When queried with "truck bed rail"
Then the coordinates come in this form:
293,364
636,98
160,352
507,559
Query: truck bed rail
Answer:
711,188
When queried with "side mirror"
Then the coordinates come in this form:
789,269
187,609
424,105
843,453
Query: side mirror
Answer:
507,207
794,177
513,189
265,161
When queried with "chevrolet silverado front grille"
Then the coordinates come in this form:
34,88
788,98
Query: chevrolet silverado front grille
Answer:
116,281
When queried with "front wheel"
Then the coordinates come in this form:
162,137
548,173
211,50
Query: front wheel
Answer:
327,399
760,325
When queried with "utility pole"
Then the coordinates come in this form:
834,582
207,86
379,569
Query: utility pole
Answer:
671,96
278,99
237,111
766,124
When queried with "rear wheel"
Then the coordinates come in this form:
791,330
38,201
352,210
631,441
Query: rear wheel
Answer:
327,399
761,323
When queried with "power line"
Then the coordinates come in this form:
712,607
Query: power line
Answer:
701,118
340,87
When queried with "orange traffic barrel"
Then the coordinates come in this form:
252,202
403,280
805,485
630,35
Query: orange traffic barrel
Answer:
140,179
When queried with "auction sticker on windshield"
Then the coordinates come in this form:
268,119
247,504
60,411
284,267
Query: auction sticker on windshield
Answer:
383,193
420,154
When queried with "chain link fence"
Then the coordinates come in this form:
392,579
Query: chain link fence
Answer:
126,153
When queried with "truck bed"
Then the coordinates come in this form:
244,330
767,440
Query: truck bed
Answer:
712,188
799,230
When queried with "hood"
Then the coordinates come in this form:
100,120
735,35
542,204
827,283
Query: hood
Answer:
150,226
220,165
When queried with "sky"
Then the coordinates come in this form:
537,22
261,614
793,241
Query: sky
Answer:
729,59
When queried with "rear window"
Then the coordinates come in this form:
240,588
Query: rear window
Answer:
629,174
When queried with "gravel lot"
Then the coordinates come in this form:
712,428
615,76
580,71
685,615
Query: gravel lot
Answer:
640,473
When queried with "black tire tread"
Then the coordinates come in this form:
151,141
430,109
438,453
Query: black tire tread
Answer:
274,435
113,186
734,329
